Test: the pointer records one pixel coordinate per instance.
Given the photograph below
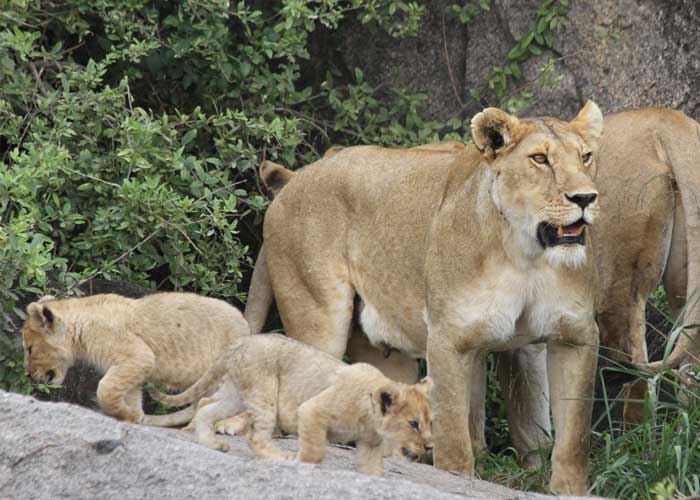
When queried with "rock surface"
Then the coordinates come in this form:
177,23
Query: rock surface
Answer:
57,450
623,54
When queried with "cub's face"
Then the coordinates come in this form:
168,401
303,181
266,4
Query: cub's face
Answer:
543,179
45,358
406,418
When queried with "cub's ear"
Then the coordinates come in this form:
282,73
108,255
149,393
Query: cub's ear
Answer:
425,385
41,314
385,397
493,130
589,122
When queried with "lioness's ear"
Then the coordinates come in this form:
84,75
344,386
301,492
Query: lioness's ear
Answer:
41,314
492,130
385,398
274,176
425,385
589,122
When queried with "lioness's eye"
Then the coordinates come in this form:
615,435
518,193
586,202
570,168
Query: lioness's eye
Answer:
587,157
414,424
539,158
29,350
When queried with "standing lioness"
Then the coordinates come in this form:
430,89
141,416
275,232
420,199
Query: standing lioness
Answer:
454,253
170,338
283,383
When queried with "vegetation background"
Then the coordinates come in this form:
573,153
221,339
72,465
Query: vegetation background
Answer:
130,133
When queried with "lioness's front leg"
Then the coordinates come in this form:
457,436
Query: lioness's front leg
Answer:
451,372
571,373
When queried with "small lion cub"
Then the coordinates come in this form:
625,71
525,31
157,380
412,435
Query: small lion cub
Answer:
170,338
282,383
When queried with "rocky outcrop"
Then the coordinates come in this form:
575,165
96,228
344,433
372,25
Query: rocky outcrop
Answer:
623,54
57,450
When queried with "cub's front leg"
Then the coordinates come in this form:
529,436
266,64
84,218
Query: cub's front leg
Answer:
451,370
313,428
116,391
370,458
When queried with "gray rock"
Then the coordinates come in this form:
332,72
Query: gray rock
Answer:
58,450
624,54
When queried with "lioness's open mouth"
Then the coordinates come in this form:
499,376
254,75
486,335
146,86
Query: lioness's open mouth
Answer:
551,236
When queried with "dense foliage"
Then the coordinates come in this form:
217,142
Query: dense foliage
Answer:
130,131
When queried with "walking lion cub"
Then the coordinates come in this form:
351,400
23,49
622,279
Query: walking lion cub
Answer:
280,382
169,338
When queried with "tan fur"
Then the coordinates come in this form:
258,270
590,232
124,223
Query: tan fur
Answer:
441,245
282,383
649,178
168,338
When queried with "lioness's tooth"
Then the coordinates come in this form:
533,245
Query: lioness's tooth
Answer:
580,229
560,231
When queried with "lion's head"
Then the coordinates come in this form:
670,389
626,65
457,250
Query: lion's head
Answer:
406,418
46,358
543,178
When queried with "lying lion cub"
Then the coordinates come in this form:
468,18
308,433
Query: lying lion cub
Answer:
282,382
170,338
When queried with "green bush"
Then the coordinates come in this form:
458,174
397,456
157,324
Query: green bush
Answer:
130,131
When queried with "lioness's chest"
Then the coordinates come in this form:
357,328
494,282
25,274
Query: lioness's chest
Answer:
507,308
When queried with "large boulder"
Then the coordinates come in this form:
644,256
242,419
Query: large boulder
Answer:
58,450
624,54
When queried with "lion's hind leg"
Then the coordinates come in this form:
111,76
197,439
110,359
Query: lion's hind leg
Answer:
261,405
225,403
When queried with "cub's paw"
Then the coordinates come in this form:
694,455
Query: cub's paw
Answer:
232,426
218,444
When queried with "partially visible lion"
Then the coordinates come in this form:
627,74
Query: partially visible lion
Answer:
455,252
168,338
279,382
649,180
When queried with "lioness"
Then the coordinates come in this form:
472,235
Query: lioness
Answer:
170,338
280,382
649,178
454,253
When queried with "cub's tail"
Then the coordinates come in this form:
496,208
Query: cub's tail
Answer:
206,385
180,417
274,177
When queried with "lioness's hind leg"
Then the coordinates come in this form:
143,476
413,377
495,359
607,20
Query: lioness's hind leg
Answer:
523,376
315,303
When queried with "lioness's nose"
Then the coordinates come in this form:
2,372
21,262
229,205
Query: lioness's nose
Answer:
582,199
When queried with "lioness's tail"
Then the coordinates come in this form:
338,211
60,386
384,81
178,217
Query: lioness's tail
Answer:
681,145
204,386
274,177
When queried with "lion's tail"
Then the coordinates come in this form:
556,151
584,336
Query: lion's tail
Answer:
274,177
204,386
681,145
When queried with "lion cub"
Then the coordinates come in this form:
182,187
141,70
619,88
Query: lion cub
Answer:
280,382
170,338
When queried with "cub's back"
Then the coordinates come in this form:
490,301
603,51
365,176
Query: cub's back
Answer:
186,332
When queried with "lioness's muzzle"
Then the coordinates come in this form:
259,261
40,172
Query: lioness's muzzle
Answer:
551,236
